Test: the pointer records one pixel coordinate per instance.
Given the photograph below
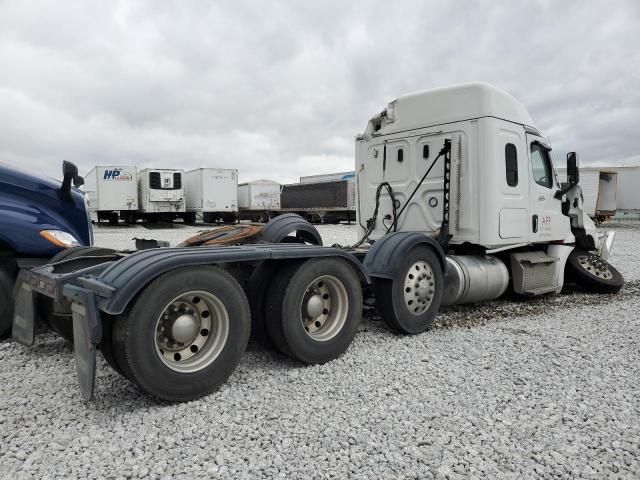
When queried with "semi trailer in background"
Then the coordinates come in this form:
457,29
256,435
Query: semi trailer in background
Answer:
628,196
327,177
112,192
328,201
161,195
211,195
599,189
258,200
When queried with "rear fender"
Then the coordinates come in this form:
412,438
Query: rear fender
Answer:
383,259
125,278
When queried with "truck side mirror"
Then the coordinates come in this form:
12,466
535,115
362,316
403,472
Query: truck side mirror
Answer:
69,170
78,181
69,174
573,172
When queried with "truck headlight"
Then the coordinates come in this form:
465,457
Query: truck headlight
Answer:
60,238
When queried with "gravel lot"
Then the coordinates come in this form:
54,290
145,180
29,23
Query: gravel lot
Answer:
544,388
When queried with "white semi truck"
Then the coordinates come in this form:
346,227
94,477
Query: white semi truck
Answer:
457,201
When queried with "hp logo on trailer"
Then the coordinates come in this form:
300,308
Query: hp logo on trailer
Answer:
117,174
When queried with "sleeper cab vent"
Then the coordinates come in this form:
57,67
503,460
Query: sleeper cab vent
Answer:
177,180
154,180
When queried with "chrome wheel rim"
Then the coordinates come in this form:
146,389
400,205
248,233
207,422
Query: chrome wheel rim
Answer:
324,308
419,287
191,331
595,266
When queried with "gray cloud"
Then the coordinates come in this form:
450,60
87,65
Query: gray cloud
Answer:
280,89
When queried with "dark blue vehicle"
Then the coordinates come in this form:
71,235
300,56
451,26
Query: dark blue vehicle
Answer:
39,217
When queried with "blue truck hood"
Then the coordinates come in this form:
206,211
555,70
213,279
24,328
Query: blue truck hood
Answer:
30,203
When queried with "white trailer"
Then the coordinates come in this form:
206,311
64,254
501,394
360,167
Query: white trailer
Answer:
258,199
211,193
328,177
599,189
112,192
628,197
160,194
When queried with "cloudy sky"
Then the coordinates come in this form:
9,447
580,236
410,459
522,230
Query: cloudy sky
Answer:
279,89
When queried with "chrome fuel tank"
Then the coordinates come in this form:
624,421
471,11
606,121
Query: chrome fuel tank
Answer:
474,278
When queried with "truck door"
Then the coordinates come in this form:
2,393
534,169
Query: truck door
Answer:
546,219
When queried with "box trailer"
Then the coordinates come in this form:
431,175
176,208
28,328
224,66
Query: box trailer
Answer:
161,194
457,202
599,188
211,194
628,195
327,177
257,200
112,192
324,201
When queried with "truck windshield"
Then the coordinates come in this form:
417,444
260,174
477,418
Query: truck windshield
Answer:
541,164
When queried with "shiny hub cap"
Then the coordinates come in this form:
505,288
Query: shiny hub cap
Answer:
595,266
419,287
191,331
324,308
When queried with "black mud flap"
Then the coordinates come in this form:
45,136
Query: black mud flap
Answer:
24,321
87,333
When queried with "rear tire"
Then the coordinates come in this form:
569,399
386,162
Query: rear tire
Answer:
7,281
317,311
150,340
410,301
592,273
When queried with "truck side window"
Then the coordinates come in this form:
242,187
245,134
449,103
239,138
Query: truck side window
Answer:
541,163
511,161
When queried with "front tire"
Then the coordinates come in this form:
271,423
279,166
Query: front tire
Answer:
410,301
185,333
592,273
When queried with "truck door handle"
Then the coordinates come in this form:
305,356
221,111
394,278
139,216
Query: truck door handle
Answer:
535,223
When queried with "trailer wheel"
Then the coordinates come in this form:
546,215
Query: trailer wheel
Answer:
410,301
592,273
6,300
62,323
184,334
317,313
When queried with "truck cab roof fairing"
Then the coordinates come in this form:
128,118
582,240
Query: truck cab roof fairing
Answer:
448,104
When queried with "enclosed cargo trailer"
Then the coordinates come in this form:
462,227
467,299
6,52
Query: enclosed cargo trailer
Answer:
112,192
161,194
258,200
628,195
211,194
327,177
326,201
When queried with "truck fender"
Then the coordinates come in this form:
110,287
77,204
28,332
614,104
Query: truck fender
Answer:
124,279
382,259
276,230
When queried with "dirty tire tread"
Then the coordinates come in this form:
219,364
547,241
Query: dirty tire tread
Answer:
273,307
390,296
7,292
589,282
170,385
257,290
300,346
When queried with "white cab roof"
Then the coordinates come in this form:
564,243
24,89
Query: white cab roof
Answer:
453,104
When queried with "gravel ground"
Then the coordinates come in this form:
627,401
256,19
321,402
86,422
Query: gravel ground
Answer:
544,388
